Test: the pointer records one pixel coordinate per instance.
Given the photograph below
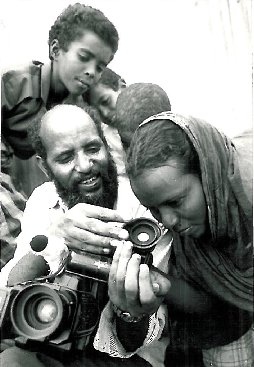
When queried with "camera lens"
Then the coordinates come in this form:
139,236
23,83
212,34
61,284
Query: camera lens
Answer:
37,311
46,310
144,234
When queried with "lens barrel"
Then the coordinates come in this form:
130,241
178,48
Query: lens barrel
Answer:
144,233
38,311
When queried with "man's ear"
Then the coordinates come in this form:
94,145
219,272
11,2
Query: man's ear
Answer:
41,165
54,49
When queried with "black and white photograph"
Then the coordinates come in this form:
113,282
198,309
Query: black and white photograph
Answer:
126,191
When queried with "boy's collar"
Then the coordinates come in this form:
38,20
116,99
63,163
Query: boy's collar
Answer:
46,71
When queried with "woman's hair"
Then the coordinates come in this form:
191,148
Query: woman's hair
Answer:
158,141
76,18
35,128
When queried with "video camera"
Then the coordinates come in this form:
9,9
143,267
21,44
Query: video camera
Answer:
52,310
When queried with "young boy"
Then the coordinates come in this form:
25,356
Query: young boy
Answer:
82,42
103,96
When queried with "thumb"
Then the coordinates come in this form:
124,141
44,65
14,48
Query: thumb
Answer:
161,284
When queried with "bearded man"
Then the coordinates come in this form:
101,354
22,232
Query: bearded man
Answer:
82,207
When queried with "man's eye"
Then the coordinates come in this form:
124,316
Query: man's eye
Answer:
94,149
64,159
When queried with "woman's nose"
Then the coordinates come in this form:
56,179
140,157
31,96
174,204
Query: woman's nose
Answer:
169,217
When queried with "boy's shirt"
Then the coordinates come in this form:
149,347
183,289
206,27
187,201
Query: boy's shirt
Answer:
24,95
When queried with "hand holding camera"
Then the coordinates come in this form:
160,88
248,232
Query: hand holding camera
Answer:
134,288
90,228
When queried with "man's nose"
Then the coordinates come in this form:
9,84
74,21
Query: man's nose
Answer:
169,217
83,163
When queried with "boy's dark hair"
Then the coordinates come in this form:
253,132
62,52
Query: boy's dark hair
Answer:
35,128
155,143
136,103
71,23
111,79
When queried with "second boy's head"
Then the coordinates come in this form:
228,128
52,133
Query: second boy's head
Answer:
82,42
135,104
103,95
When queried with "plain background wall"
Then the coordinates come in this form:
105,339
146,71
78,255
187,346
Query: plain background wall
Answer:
198,51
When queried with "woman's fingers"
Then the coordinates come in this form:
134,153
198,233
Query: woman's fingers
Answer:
132,283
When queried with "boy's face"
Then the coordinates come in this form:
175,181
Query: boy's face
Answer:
104,99
81,65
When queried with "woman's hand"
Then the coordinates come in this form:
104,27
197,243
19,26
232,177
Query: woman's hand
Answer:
132,286
90,228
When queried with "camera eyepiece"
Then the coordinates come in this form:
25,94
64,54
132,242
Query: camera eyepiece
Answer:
144,233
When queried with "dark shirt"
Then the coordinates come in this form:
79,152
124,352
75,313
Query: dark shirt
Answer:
25,96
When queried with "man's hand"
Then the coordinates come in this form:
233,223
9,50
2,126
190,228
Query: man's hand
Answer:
90,228
132,286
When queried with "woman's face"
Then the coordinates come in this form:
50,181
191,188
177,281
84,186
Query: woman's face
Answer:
175,198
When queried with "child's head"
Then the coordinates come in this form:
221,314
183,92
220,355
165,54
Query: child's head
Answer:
136,103
82,42
103,95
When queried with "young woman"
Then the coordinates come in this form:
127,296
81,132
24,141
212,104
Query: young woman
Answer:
197,182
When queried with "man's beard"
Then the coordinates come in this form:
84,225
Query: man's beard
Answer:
105,198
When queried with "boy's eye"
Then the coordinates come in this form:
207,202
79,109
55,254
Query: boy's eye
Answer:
105,101
100,68
84,58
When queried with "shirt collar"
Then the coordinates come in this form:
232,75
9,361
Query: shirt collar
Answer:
45,80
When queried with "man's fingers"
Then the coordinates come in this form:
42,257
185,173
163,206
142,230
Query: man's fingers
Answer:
104,214
94,226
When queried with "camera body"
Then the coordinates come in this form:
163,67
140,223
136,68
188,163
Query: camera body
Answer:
55,310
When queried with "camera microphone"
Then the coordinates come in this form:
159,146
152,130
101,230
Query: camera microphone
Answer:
30,266
39,243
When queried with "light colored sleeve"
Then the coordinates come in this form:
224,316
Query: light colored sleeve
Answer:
106,339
